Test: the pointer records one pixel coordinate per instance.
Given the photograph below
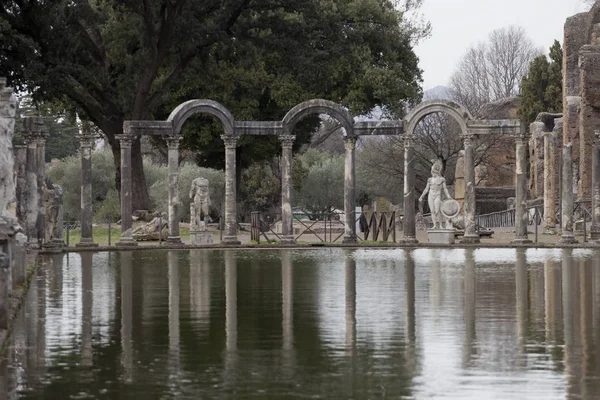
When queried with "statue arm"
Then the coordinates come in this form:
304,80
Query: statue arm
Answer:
426,190
191,195
446,189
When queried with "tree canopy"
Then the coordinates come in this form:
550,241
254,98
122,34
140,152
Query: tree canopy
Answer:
137,59
541,88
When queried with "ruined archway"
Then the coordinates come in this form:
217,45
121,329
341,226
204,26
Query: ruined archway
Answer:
318,106
451,108
201,106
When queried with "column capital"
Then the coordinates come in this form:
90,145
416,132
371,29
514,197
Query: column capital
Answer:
173,142
85,140
125,140
522,137
350,142
230,141
409,141
468,138
597,137
287,141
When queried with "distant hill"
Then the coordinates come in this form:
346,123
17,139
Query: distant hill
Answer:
438,92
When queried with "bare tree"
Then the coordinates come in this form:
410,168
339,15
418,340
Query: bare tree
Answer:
493,69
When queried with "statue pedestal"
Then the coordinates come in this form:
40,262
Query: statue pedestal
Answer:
201,238
441,236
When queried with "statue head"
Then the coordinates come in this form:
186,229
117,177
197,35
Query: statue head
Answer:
436,168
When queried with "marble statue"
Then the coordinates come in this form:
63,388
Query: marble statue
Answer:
435,186
54,202
151,230
200,203
8,197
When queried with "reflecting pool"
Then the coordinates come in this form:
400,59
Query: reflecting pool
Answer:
327,323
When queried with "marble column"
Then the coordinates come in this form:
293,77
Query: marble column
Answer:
126,187
40,139
470,236
349,191
86,141
567,235
32,194
287,218
174,200
549,184
595,229
230,236
521,214
408,221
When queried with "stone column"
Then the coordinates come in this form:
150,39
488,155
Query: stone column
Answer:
230,236
521,214
567,195
549,185
408,221
287,218
21,183
174,201
86,141
349,191
32,194
470,236
595,229
126,186
40,139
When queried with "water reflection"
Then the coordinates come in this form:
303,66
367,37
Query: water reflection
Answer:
330,323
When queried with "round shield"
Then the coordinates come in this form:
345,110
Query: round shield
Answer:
450,208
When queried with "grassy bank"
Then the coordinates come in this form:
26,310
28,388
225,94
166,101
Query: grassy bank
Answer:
100,235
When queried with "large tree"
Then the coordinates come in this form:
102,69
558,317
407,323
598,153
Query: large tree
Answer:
541,88
493,69
136,59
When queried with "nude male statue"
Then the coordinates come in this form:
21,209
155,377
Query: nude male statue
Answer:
434,187
201,201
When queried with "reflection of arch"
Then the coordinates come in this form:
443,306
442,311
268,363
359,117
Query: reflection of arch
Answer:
455,110
187,109
318,106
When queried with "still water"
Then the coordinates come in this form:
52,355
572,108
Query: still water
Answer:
331,323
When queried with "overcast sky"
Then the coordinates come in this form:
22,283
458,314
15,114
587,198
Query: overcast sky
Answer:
456,24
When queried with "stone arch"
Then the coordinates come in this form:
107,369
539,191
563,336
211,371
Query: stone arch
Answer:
455,110
185,110
318,106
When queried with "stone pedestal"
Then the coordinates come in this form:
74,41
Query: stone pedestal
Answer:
230,234
349,192
409,226
441,236
199,238
287,217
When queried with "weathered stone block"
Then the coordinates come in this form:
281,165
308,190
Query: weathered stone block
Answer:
441,236
199,238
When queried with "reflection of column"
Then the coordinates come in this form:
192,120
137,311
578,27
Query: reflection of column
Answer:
469,285
174,201
470,236
595,229
572,349
521,299
409,280
435,285
552,293
230,236
200,286
350,277
287,289
408,221
567,195
231,301
287,227
87,298
126,186
86,142
349,191
588,349
549,184
173,267
521,213
126,314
